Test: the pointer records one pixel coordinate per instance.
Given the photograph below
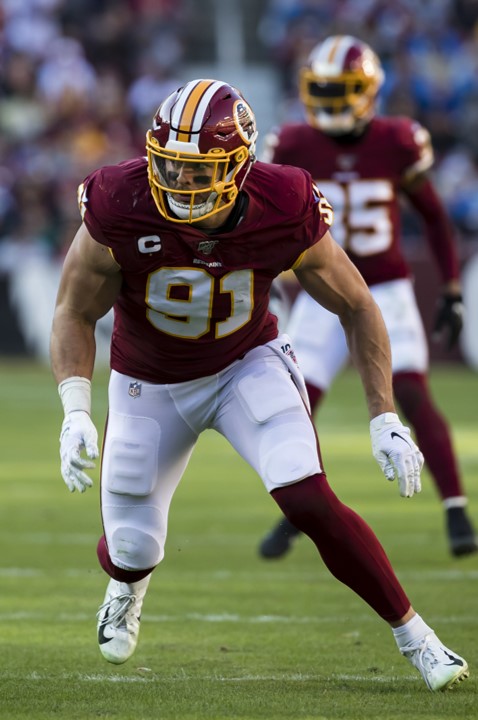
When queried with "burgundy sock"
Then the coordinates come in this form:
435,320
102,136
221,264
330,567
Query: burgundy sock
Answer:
126,576
346,543
431,431
315,396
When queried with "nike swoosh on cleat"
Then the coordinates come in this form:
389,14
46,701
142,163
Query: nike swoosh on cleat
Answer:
456,661
395,434
102,639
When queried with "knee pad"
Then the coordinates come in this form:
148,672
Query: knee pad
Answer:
133,549
287,444
288,454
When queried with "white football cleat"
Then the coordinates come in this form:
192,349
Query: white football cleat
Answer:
118,619
440,667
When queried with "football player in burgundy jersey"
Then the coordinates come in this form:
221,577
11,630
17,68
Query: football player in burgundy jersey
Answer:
184,244
363,163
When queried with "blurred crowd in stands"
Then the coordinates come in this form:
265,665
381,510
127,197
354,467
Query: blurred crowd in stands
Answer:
81,79
79,82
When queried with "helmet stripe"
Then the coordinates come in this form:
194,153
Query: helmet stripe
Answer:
189,107
332,53
329,49
188,113
340,49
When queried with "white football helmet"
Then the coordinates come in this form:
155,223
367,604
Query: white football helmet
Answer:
339,85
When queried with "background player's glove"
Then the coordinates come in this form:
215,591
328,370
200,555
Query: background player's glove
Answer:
449,318
396,453
77,433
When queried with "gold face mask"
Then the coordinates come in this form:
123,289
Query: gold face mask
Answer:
188,187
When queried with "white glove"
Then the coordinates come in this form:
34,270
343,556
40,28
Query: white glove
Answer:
396,453
77,433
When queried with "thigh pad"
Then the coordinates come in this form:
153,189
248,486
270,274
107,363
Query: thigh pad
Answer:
267,392
130,466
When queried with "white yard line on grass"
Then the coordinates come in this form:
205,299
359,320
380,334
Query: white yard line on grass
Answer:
184,676
223,618
451,574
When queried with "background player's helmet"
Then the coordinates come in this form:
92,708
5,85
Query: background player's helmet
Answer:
339,85
207,127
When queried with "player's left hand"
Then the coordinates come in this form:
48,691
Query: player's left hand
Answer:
77,434
396,453
449,318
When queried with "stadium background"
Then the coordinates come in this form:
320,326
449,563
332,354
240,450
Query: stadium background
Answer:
81,79
226,635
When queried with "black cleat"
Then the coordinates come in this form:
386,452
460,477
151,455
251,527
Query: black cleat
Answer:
461,535
278,542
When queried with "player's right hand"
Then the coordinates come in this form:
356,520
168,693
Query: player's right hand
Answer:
449,318
77,433
396,453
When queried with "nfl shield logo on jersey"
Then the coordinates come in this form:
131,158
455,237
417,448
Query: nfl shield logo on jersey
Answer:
134,389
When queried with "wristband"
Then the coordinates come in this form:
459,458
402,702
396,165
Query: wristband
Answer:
75,394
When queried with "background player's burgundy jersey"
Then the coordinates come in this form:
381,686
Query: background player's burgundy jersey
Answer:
191,303
361,179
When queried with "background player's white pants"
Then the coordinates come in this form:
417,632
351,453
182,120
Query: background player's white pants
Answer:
319,339
152,429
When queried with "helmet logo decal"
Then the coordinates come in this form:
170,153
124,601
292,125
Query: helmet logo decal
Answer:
245,121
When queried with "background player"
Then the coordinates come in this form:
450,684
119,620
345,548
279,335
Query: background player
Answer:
363,163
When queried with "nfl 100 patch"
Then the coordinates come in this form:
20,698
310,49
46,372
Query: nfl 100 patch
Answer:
207,246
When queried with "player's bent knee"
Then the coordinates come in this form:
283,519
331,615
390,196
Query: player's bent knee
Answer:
289,462
134,549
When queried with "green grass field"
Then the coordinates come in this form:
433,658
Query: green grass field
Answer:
224,633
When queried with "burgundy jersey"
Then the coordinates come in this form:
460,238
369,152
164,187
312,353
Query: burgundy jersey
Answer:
362,180
190,302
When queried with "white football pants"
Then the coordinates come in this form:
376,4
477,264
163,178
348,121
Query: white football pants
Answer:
319,339
258,403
